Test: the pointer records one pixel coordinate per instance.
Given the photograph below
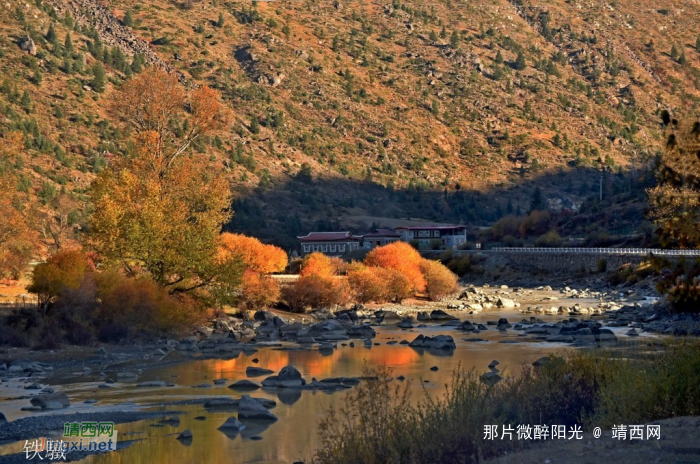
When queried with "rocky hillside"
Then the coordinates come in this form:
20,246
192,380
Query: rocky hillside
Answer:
453,110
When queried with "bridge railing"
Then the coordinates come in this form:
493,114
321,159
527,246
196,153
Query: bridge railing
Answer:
599,251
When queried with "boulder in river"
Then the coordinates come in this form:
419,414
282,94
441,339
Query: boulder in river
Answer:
491,378
244,385
154,383
466,326
289,377
388,317
440,315
51,401
439,342
328,330
248,408
185,437
505,303
361,331
232,424
605,335
252,371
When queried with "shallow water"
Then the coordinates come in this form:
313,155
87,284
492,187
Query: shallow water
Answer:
294,436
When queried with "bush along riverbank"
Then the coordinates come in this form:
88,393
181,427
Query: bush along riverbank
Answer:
378,423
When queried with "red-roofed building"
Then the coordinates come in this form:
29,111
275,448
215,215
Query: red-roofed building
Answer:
380,237
329,243
427,236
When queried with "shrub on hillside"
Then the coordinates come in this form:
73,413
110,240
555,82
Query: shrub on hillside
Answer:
259,290
535,224
549,239
401,257
680,282
440,280
460,265
314,291
14,259
506,226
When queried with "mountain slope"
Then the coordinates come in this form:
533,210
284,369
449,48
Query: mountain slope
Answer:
475,96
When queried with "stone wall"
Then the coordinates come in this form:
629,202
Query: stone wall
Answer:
570,262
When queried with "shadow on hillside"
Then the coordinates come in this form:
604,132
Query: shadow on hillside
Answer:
299,205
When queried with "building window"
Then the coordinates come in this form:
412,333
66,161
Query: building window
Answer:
341,247
332,248
306,248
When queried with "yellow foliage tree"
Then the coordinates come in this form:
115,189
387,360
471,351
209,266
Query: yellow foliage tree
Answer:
159,209
440,280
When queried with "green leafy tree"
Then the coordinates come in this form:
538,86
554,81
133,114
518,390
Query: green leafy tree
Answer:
556,140
520,61
128,19
220,22
99,78
51,36
674,52
26,102
138,63
68,45
499,57
435,108
454,39
537,203
254,125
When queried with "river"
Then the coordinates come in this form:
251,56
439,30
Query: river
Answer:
295,436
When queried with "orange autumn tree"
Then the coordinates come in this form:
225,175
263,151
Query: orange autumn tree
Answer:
318,285
17,240
159,208
258,289
401,257
320,265
377,284
257,256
